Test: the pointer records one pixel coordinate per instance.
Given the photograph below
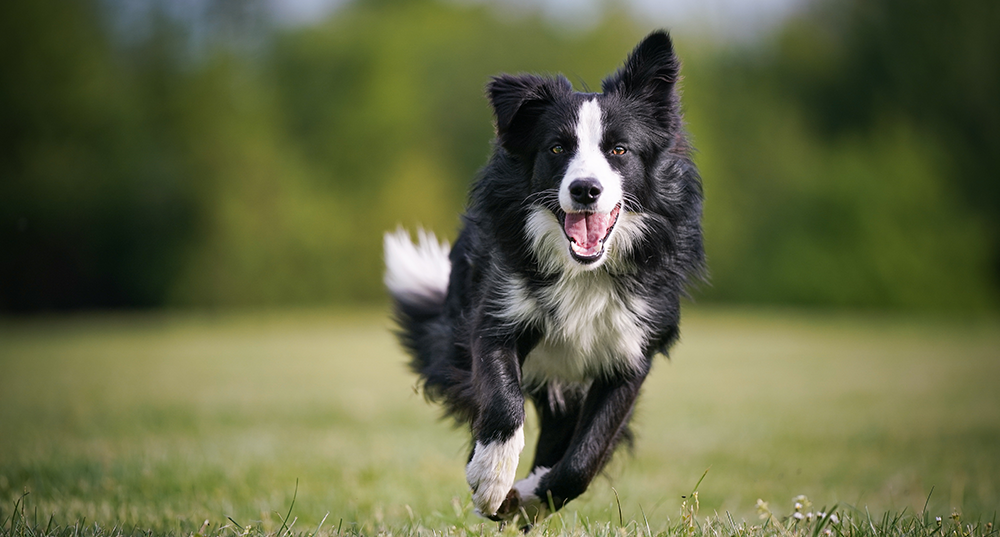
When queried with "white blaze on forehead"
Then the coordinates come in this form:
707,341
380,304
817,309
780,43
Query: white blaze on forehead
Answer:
591,162
589,129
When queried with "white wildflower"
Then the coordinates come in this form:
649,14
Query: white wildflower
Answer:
762,510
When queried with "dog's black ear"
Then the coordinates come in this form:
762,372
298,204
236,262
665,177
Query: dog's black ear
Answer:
649,73
518,102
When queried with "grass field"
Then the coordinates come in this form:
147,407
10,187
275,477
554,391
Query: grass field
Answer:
163,421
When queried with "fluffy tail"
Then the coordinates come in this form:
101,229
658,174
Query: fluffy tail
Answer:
417,277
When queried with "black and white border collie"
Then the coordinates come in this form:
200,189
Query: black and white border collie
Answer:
581,233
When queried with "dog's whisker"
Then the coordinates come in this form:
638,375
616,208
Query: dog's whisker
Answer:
630,203
547,198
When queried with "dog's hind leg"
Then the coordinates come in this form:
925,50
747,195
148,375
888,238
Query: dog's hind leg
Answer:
602,425
558,413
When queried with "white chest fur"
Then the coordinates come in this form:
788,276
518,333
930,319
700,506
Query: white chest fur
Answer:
589,325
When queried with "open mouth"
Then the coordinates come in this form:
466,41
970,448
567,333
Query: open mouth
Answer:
587,232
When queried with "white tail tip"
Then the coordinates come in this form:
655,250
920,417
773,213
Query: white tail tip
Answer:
416,273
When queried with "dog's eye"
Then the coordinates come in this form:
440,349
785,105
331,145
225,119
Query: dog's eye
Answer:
557,149
618,150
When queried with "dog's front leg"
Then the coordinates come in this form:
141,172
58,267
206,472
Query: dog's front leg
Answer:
498,429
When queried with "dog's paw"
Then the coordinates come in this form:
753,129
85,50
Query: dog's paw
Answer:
491,471
530,504
510,506
523,500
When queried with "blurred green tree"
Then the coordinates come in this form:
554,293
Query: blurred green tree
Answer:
857,65
849,160
373,119
95,204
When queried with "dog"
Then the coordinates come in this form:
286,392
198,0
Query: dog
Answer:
580,237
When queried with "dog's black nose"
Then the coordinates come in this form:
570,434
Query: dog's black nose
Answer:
585,191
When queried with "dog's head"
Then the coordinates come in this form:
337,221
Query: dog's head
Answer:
590,153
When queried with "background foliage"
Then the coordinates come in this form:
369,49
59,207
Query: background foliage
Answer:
849,159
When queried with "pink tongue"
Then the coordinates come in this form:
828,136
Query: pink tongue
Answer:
587,229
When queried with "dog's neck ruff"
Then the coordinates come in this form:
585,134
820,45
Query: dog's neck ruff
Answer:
589,327
590,323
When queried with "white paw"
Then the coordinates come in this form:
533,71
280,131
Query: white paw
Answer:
491,471
535,508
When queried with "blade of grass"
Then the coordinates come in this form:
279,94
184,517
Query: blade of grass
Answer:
923,511
825,520
645,521
621,519
295,494
702,478
321,523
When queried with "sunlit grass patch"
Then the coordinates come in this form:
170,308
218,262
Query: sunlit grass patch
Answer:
160,422
801,521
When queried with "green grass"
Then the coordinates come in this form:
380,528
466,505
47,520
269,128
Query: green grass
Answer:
115,423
